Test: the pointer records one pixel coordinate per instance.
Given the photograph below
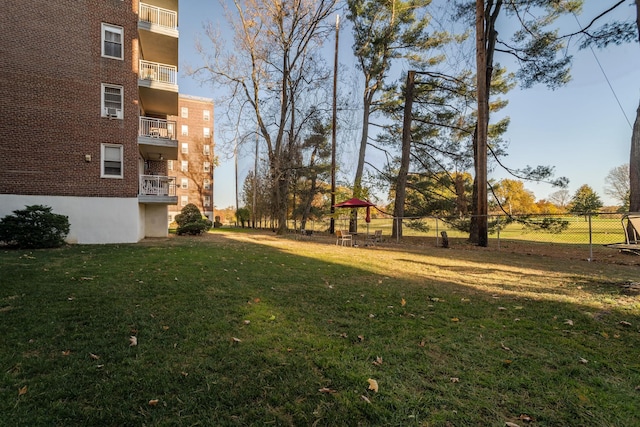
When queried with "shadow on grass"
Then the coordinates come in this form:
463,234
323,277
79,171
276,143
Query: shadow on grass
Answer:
252,329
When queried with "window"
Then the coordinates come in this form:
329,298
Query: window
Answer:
185,148
206,115
206,149
184,200
207,201
111,164
112,41
184,167
206,184
184,112
206,132
185,130
185,183
170,165
112,101
206,167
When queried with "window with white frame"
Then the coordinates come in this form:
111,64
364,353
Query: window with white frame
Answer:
184,183
206,167
206,201
111,161
206,132
206,184
206,115
185,130
170,165
112,37
112,101
206,149
185,148
184,112
184,166
184,200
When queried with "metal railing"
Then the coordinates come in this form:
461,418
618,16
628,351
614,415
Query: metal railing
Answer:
157,128
157,185
158,16
158,72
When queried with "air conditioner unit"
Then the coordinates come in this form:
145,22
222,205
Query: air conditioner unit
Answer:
112,112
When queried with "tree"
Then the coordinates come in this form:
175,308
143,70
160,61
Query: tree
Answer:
272,67
560,198
243,215
538,51
585,201
513,198
618,32
385,31
617,185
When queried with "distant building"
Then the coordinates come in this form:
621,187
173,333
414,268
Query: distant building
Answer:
88,107
194,167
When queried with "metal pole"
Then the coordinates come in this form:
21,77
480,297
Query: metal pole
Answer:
590,240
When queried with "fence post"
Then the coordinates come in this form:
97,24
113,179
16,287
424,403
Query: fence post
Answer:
590,240
498,226
437,238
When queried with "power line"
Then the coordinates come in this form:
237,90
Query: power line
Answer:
606,78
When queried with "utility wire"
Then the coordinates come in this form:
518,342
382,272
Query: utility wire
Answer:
606,78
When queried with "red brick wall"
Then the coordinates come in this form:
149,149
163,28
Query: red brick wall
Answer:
51,72
195,157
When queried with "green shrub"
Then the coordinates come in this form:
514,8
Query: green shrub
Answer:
34,227
191,221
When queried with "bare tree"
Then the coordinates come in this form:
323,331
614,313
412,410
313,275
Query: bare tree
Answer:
617,184
268,71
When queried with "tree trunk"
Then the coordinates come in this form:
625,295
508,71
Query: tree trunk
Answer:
483,121
634,166
401,181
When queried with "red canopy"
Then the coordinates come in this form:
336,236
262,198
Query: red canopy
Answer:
356,203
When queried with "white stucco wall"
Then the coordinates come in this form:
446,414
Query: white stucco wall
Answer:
92,219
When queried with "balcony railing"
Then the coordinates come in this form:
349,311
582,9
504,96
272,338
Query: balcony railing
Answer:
158,16
157,128
158,72
156,185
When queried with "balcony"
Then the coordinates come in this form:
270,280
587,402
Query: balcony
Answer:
158,87
157,189
157,139
158,32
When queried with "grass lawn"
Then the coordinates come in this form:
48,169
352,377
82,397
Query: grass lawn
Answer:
253,329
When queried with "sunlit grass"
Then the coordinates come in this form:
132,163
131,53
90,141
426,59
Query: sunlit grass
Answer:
247,328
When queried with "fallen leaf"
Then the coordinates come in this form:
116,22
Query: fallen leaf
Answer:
153,402
378,361
455,379
365,398
504,347
22,391
343,335
165,328
422,343
326,390
246,322
583,360
236,339
94,356
66,352
502,308
403,302
624,323
273,317
373,384
455,319
372,316
604,334
525,417
568,322
184,374
361,338
508,424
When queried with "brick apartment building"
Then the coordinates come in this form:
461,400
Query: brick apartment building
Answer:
88,111
194,167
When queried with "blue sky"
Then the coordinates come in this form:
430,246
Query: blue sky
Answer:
579,129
